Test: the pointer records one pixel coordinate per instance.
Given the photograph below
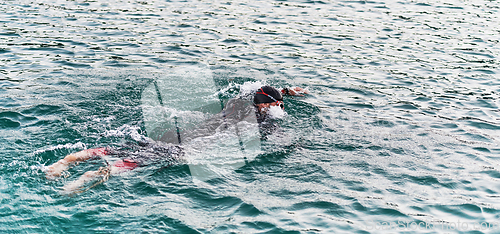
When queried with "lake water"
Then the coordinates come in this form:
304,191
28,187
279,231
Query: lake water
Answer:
400,132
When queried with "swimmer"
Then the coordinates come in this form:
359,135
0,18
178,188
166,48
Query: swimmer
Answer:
164,149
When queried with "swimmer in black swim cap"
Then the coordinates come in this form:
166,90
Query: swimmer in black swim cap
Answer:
268,96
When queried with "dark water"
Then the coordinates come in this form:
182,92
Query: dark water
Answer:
400,132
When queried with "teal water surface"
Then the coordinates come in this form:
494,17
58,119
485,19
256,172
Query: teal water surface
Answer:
399,133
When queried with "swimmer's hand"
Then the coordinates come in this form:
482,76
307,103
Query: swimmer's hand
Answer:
297,91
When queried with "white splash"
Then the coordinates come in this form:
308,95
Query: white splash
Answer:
275,112
78,145
249,88
127,130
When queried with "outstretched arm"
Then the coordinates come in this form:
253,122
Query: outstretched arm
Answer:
294,91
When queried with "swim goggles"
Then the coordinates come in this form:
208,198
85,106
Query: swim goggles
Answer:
278,103
281,104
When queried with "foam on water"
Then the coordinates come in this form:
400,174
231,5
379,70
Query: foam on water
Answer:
275,112
127,130
78,145
249,88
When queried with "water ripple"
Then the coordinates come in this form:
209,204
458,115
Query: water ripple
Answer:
401,125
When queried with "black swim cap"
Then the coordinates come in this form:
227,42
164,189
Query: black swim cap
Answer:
267,94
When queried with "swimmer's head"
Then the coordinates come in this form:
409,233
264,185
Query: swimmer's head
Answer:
267,94
266,97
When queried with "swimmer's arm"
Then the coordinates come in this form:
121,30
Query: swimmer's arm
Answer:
294,91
